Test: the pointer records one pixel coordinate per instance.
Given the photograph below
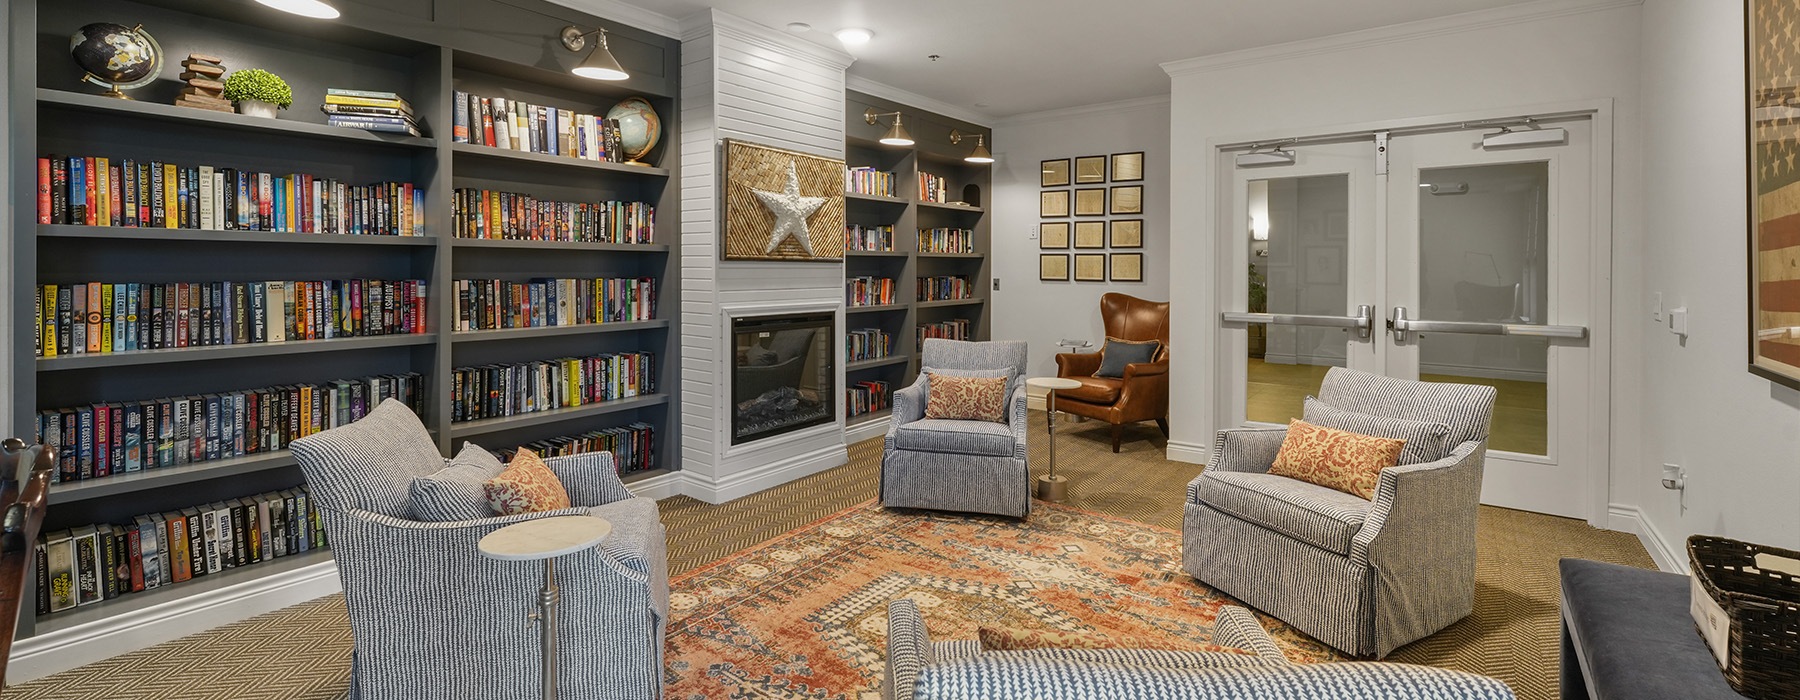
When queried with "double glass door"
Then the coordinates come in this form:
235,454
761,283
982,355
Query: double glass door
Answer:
1426,256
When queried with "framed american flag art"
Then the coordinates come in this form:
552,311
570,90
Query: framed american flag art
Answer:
1773,113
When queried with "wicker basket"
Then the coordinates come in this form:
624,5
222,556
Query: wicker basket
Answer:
1763,656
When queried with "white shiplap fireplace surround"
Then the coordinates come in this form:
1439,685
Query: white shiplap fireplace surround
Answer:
740,80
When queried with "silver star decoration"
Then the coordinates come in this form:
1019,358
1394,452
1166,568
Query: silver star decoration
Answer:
790,210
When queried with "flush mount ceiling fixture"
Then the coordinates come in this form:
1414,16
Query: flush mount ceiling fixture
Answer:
600,64
896,135
980,154
315,9
854,36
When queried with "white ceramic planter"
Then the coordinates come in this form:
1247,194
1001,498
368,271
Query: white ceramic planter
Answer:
256,108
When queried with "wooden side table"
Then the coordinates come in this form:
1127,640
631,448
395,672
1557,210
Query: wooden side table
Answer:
546,539
1051,487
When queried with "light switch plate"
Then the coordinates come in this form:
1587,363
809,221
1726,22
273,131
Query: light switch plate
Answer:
1656,309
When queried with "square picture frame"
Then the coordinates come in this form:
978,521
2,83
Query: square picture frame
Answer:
1053,204
1125,233
1053,267
1090,234
1053,235
1127,267
1090,267
1127,199
1090,202
1090,170
1054,173
1128,167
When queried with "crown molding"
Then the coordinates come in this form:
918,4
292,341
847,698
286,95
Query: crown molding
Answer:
913,99
1408,31
1084,111
781,42
623,13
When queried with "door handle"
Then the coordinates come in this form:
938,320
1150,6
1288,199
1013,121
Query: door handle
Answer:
1363,322
1399,325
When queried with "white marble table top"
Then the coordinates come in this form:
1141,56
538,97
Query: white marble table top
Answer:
545,538
1052,383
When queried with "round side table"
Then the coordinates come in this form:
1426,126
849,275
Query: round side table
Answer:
546,539
1051,487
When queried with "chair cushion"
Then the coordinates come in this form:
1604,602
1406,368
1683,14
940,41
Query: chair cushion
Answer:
1100,390
526,486
1346,461
967,398
1425,441
961,437
455,492
1325,518
1118,353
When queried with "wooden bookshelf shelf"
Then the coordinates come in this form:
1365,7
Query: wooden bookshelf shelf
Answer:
222,352
954,256
559,245
952,207
176,591
878,362
869,417
502,154
880,199
216,236
874,309
86,489
949,302
876,253
134,109
554,331
494,425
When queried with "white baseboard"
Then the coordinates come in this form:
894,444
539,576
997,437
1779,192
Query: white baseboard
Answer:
658,487
863,431
1626,518
59,651
765,477
1190,452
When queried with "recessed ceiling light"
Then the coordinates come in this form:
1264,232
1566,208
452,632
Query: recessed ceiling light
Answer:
854,36
305,8
799,27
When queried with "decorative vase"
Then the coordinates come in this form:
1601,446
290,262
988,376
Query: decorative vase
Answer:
256,108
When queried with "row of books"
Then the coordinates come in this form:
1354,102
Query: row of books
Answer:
370,110
946,240
867,344
495,304
867,180
521,126
94,563
120,438
866,397
632,446
954,329
112,317
869,238
96,191
869,291
933,189
945,288
522,217
494,391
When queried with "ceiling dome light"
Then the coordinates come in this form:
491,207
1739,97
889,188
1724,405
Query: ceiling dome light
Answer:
305,8
854,36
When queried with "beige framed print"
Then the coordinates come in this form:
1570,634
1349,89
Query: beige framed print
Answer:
1090,170
1054,203
1090,202
1127,233
1090,267
1053,235
1053,267
1055,173
1128,199
1090,234
1128,167
1127,267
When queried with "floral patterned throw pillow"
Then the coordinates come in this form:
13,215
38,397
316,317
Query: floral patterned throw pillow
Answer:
1015,639
526,486
1335,459
966,398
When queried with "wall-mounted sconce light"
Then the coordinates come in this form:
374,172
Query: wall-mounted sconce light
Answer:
896,135
599,65
980,154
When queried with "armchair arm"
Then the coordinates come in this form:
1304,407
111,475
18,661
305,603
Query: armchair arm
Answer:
1077,364
591,478
1018,417
1146,369
998,676
909,406
1237,627
1421,507
1246,449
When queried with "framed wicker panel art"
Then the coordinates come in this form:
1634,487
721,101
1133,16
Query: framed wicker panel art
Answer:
782,205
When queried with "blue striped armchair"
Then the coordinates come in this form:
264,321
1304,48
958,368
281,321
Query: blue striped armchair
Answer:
959,465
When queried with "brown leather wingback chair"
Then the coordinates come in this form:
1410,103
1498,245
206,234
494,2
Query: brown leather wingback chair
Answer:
1143,393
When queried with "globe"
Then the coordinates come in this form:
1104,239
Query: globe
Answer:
116,56
639,127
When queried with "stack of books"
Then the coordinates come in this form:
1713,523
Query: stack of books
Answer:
370,110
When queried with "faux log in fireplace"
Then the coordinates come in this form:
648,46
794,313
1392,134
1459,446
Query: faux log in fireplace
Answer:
783,378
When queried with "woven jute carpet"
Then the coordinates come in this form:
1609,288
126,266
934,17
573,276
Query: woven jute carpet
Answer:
303,652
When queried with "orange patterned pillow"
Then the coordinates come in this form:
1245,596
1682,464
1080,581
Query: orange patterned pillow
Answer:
526,486
1335,459
1015,639
966,398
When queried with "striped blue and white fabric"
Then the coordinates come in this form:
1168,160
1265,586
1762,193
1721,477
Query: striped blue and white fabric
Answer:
433,618
966,466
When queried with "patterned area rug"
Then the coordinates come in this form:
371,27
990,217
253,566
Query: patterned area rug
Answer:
805,615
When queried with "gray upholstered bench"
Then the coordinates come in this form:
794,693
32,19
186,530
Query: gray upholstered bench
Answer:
1627,635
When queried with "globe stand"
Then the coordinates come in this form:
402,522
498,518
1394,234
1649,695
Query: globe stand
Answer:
112,88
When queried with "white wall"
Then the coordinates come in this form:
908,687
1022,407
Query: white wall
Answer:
1042,313
1734,432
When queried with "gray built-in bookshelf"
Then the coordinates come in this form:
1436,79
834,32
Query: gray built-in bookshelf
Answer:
968,187
425,51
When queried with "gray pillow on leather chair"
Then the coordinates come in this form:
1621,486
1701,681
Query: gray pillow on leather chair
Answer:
1118,353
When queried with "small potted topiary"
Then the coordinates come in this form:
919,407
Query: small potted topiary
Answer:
258,92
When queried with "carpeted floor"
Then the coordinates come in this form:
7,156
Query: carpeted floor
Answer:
302,652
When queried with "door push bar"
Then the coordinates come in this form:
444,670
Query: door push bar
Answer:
1400,326
1363,321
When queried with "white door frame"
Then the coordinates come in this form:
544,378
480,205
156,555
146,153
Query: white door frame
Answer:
1218,373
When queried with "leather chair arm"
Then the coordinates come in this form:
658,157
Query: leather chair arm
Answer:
1145,369
1077,364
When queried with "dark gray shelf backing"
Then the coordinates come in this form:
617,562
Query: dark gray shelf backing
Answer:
555,331
72,260
145,233
102,487
222,352
490,426
81,386
173,592
561,246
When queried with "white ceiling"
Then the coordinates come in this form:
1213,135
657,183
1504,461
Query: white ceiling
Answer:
1007,58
